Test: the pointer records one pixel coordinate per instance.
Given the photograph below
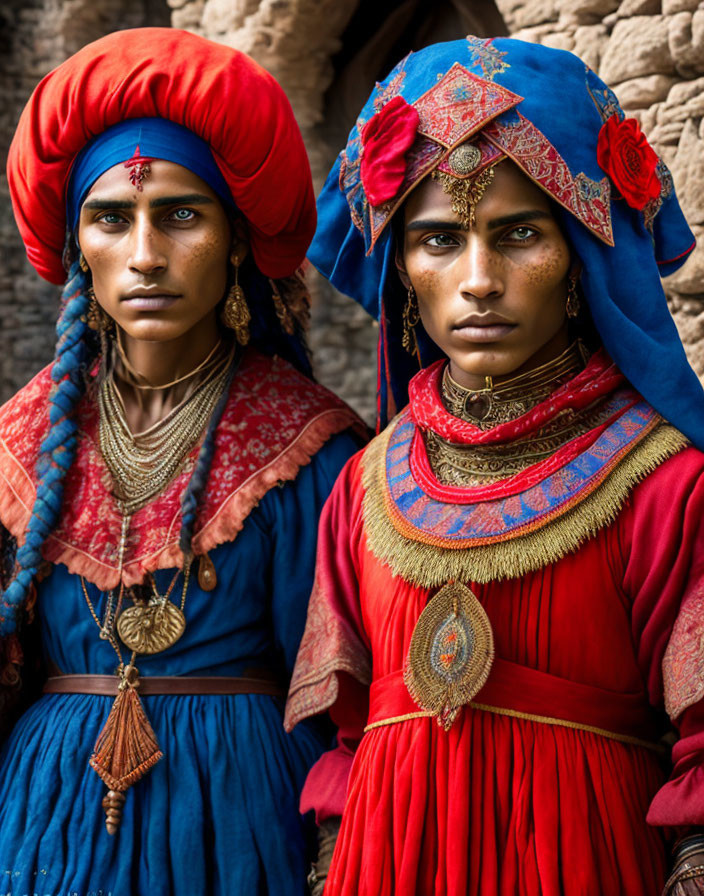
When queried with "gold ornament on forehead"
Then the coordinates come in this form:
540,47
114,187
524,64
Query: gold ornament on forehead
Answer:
464,159
464,190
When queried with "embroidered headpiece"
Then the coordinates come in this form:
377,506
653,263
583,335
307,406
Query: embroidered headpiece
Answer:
615,199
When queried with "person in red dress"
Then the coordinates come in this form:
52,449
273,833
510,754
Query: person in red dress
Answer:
510,577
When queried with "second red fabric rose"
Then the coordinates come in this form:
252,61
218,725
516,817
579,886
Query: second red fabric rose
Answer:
630,161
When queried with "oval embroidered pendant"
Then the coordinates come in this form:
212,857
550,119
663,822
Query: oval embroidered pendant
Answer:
451,652
152,628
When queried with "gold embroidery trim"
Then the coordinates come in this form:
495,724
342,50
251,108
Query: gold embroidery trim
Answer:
428,565
529,717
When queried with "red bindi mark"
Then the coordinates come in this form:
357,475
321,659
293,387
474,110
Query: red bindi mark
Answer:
139,168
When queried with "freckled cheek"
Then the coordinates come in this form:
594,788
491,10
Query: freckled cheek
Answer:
547,269
206,262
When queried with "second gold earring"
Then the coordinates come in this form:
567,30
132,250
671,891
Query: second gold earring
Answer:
235,314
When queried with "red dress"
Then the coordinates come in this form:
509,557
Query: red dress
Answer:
543,783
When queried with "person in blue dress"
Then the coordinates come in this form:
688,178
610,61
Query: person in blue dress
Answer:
160,482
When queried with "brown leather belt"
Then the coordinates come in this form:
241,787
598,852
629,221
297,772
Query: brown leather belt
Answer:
106,685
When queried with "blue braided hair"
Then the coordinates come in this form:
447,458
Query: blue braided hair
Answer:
58,450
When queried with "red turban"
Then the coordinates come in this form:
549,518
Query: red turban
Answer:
218,93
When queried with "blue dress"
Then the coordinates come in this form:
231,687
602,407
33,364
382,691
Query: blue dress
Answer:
219,813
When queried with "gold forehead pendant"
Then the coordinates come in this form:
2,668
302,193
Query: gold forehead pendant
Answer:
464,190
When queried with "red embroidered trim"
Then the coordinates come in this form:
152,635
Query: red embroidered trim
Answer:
276,419
530,149
326,649
683,662
459,105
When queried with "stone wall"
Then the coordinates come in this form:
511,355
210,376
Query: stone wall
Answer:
35,36
651,52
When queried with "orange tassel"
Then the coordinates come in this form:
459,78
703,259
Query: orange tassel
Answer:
126,747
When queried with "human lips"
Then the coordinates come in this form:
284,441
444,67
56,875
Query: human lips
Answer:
150,298
488,327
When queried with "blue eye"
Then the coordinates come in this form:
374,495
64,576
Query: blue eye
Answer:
111,218
184,214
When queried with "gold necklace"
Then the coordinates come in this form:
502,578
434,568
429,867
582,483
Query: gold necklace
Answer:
493,405
476,465
148,386
143,464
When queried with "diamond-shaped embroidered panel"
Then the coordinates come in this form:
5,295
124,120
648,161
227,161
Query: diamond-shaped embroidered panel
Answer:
460,104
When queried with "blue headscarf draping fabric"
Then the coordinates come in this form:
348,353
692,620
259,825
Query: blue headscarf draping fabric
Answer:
156,138
545,109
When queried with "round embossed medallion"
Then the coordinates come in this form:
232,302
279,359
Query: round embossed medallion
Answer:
464,158
150,629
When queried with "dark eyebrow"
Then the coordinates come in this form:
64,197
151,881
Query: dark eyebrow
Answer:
518,217
188,199
107,203
434,225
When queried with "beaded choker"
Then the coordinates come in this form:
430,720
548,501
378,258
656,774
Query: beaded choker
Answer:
493,405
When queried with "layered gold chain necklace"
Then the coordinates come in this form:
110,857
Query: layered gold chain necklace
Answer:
143,464
473,465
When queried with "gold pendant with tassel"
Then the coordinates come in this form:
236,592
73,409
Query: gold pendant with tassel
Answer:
126,747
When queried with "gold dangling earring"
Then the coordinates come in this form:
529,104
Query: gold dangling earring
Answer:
572,306
94,315
411,316
235,314
82,263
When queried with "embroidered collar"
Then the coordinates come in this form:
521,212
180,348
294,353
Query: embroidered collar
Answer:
276,419
423,528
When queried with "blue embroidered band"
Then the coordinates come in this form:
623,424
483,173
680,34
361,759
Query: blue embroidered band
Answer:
157,138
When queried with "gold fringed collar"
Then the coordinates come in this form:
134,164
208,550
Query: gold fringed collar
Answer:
429,542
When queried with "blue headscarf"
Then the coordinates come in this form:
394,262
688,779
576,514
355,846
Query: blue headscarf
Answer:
545,110
156,138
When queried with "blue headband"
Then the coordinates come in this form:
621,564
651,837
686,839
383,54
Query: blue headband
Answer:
157,138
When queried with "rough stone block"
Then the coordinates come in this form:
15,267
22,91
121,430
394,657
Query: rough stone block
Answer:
630,8
559,40
688,174
589,43
637,46
533,12
585,12
640,93
670,7
690,277
686,42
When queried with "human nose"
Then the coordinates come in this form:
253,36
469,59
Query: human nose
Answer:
146,253
481,274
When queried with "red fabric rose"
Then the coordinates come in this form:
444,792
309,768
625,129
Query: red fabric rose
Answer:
630,161
386,139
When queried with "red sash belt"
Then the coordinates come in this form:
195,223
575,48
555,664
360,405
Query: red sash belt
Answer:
518,691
